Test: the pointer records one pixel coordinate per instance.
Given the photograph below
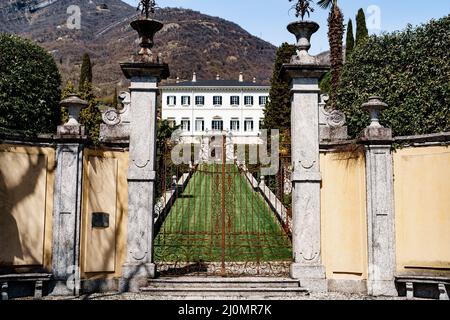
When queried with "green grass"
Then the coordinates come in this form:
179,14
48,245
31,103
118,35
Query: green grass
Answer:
192,231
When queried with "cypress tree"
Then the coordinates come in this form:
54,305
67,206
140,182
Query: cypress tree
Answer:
350,41
361,28
90,117
68,89
277,114
86,72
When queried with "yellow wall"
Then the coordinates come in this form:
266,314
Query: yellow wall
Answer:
344,223
103,250
422,208
26,205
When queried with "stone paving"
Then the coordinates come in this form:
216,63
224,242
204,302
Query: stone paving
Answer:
143,296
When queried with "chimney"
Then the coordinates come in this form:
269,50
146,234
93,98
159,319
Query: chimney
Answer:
254,80
194,77
218,77
241,77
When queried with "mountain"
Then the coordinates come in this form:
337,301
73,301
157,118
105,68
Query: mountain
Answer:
190,41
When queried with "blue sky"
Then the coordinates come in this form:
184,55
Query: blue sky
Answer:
267,19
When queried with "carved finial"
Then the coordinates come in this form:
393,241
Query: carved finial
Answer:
147,7
241,77
302,8
374,106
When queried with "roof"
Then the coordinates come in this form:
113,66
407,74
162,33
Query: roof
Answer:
215,83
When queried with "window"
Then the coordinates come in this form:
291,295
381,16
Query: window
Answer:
217,100
263,100
199,100
248,125
248,100
171,122
217,125
234,100
261,123
234,124
199,125
186,125
171,100
185,101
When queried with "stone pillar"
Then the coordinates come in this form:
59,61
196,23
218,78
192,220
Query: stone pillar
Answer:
380,204
140,266
67,201
144,73
304,72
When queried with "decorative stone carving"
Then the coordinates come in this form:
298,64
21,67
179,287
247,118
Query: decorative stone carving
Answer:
229,148
205,152
117,122
307,164
113,116
332,122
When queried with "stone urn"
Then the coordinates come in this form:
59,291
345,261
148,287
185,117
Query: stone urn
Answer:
74,105
374,106
146,28
303,30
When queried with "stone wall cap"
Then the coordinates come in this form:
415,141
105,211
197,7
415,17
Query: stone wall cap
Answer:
145,69
433,137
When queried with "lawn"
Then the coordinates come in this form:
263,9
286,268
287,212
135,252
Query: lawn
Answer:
193,229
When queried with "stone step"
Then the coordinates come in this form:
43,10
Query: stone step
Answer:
224,288
190,282
225,293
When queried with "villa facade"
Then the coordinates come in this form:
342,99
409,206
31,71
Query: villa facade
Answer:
202,107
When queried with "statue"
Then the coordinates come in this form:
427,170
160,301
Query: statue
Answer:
147,7
302,8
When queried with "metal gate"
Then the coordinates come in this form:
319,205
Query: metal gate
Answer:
220,219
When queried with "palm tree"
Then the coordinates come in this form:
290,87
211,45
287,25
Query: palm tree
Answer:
335,38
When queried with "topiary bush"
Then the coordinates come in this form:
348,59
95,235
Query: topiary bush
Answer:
29,87
410,70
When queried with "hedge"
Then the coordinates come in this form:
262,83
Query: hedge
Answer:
29,87
410,70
